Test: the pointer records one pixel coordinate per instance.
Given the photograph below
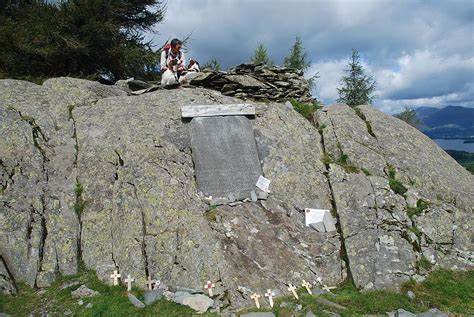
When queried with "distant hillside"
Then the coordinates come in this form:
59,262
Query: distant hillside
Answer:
450,122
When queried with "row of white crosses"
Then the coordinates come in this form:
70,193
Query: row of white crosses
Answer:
151,284
256,297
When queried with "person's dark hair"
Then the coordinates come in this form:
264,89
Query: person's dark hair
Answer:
175,42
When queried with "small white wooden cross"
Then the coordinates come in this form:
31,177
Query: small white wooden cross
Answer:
115,277
150,283
270,295
209,286
255,297
292,289
307,286
129,281
328,288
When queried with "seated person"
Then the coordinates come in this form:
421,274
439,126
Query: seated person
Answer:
172,63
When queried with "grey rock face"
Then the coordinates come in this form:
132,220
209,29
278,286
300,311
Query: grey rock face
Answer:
383,243
87,172
7,284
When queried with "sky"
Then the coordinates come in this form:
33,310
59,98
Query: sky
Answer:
421,53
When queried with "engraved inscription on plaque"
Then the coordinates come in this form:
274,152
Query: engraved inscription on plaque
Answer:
225,156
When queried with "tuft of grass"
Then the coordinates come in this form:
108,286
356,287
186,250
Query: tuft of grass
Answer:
424,263
80,203
395,184
421,205
211,213
322,127
416,231
305,109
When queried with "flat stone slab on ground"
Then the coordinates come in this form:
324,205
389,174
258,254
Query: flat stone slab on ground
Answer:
153,296
259,314
225,156
135,301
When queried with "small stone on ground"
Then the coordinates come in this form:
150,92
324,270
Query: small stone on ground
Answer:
326,302
83,291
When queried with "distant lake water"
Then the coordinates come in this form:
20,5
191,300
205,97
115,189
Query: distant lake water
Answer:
455,145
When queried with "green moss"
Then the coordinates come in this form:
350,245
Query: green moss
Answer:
365,171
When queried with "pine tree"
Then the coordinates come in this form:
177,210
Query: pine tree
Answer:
409,116
260,56
297,58
99,38
357,88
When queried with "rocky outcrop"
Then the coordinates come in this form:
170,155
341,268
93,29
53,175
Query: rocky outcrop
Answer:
257,82
89,173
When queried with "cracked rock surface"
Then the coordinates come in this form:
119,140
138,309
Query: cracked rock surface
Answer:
90,174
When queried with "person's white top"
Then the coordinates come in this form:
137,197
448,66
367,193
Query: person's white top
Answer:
165,61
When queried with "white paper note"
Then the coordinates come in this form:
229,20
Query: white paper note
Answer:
263,183
314,215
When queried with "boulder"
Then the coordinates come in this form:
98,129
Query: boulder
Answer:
88,172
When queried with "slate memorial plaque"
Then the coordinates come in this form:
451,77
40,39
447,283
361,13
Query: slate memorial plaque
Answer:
225,156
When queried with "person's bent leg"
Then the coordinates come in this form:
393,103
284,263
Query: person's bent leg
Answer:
168,78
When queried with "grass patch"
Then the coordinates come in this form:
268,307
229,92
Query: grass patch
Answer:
446,290
449,291
112,300
305,109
